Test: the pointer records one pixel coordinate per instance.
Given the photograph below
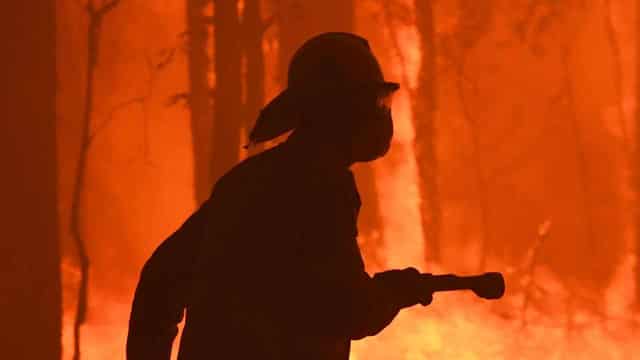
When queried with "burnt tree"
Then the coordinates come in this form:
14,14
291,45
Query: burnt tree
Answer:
199,98
30,303
96,15
216,109
228,113
218,121
253,28
637,156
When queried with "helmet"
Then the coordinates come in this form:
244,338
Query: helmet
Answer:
328,63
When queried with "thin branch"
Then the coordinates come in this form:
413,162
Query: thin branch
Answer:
154,69
168,56
110,116
106,8
534,255
181,97
142,100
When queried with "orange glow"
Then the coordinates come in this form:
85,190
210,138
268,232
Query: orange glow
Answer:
133,202
458,326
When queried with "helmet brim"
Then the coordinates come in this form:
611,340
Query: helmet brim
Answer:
282,114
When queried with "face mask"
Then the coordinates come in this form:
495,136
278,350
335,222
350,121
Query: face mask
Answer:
374,131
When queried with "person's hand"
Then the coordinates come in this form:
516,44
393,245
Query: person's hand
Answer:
405,287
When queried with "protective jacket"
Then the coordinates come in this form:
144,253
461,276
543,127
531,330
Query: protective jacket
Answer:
267,268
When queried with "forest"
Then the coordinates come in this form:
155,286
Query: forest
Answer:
516,149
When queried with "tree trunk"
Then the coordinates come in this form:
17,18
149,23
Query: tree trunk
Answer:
239,89
30,300
637,151
298,21
200,101
424,106
253,29
228,112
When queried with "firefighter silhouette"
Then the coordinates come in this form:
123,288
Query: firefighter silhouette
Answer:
269,267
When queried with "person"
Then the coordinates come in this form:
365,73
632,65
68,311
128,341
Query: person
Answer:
269,266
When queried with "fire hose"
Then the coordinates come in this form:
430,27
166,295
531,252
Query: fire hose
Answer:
487,286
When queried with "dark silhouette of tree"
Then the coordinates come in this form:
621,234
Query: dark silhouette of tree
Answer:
30,284
217,112
637,160
253,29
228,112
96,14
220,114
199,98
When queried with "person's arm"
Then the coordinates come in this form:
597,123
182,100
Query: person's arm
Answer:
342,299
339,297
162,290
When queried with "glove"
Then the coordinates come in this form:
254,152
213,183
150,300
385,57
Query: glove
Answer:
405,287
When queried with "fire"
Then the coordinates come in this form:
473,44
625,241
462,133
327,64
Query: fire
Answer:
456,325
396,174
103,336
396,179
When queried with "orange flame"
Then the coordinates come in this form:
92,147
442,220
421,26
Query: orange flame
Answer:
455,326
